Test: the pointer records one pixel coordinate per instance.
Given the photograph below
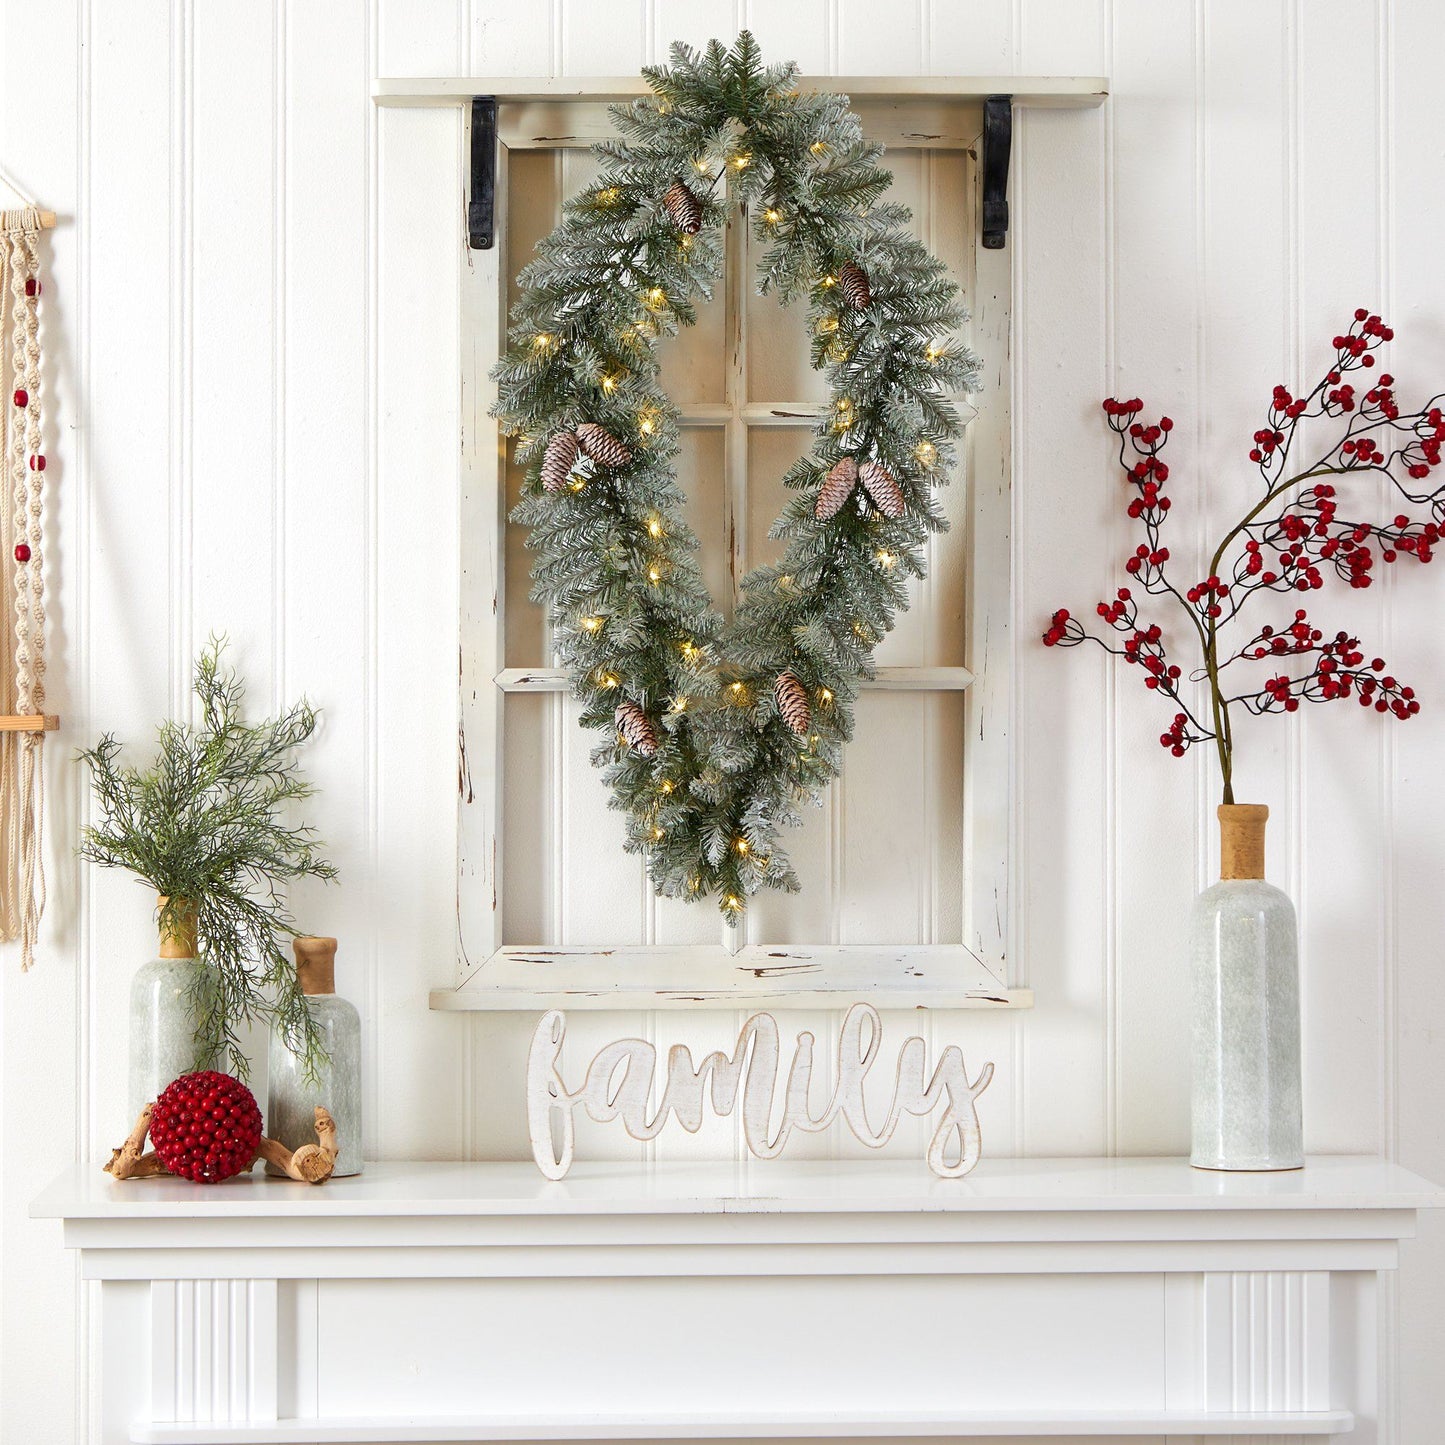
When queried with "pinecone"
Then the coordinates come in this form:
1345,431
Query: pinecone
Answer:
558,461
602,446
635,729
879,483
853,282
793,702
683,208
836,489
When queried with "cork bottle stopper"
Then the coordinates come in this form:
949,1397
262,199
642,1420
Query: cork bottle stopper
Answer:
1241,840
315,964
178,932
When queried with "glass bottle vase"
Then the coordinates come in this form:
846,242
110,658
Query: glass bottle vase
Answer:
169,999
1244,944
292,1098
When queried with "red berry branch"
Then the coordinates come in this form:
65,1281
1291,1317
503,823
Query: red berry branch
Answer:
1290,538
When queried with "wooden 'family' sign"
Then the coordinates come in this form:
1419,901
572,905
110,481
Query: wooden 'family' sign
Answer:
619,1083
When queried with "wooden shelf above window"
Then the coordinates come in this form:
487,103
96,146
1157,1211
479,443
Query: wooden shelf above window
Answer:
923,112
1048,90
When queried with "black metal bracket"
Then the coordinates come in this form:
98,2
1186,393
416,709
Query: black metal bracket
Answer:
482,206
998,124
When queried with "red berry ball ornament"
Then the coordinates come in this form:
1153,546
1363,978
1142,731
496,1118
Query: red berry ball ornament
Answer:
206,1127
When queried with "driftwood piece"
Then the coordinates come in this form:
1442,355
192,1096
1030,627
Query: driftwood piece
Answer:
310,1164
130,1161
326,1133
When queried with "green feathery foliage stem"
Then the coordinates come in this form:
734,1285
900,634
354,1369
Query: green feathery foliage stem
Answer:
204,827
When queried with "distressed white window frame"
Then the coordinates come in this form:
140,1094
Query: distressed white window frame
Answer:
924,113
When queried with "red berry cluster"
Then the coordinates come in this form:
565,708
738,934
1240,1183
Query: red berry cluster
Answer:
1059,629
1360,452
206,1127
1178,738
1209,595
1341,672
1364,336
1288,544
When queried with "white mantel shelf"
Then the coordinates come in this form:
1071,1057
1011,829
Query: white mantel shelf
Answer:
454,1302
865,1186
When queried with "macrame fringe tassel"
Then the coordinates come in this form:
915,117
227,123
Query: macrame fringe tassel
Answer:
22,672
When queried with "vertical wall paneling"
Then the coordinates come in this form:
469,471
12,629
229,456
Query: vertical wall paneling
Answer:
969,39
322,435
1249,272
603,39
1058,235
882,39
1151,319
417,419
802,30
323,526
418,339
510,39
1340,266
1413,1082
233,350
255,350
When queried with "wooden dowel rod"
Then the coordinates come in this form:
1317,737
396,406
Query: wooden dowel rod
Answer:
47,218
29,722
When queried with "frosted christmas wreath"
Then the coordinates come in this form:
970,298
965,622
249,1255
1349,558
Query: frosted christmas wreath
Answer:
717,731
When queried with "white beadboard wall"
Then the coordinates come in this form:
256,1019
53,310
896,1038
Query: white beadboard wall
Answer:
252,396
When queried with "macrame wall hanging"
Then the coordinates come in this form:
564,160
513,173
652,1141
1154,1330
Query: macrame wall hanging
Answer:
24,722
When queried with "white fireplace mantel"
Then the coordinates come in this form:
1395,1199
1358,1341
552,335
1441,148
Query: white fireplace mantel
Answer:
468,1302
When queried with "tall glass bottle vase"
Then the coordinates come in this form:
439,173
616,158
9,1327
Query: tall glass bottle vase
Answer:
169,999
293,1096
1243,938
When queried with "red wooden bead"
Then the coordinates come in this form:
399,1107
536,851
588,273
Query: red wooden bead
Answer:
32,287
22,551
37,462
22,397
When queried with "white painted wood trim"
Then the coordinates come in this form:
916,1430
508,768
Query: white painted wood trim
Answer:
1046,90
710,976
213,1346
988,810
482,598
737,283
743,1425
888,679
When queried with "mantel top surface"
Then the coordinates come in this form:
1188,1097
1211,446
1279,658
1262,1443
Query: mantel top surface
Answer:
863,1186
